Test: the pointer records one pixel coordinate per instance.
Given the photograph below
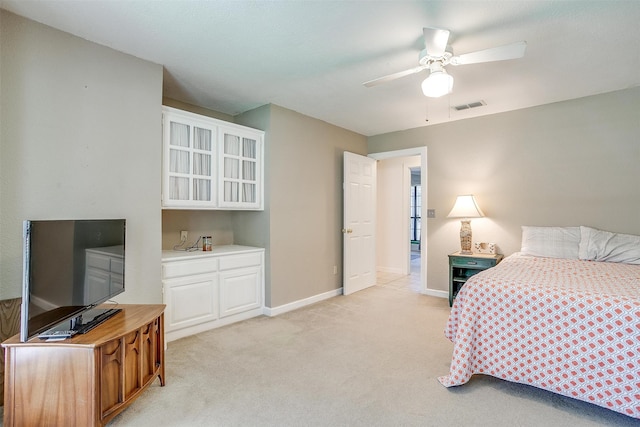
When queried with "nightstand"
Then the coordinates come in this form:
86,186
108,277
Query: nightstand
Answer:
462,266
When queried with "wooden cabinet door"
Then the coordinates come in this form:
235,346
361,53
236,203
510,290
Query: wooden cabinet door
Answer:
111,376
149,353
132,359
49,386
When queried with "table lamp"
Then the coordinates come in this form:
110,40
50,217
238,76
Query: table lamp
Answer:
465,207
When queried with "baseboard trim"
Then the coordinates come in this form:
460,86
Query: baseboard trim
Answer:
436,293
274,311
393,270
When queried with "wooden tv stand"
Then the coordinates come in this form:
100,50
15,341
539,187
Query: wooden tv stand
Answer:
88,379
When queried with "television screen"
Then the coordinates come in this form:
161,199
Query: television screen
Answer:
70,266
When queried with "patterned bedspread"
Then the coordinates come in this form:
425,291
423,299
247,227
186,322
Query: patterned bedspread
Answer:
568,326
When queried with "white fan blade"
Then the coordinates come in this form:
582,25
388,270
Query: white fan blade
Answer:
394,76
501,53
435,41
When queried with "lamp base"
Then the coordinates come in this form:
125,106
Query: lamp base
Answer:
465,237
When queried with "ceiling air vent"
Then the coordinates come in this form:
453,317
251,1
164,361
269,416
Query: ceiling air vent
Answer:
469,105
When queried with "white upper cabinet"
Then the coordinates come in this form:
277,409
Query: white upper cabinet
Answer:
189,161
210,164
240,185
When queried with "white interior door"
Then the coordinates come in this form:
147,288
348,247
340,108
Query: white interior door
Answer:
359,223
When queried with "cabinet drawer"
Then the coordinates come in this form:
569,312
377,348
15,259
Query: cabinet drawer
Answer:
185,268
102,262
239,261
472,263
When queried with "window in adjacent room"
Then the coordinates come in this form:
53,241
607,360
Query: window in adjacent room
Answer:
416,204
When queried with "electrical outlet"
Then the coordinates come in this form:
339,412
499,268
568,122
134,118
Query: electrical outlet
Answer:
184,235
431,213
335,269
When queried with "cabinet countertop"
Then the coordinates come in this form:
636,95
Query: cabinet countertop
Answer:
215,251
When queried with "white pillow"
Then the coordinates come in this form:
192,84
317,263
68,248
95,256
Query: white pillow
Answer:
598,245
551,242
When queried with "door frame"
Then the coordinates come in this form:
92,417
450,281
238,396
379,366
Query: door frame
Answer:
422,152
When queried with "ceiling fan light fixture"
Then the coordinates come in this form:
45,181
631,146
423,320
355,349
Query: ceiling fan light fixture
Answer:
438,83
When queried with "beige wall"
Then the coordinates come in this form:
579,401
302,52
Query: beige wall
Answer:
80,138
304,203
217,224
568,163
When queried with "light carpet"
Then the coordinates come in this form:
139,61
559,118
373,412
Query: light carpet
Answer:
367,359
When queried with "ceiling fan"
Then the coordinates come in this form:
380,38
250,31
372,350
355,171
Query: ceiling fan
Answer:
437,54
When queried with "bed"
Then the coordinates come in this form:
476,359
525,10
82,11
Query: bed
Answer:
567,323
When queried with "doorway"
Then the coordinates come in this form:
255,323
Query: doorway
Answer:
415,219
415,158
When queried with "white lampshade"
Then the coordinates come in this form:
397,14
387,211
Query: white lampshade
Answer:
438,83
466,207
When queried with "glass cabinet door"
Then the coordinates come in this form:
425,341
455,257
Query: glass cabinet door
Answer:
202,164
190,162
240,170
179,161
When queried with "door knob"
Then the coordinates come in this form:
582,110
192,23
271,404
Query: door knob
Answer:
347,230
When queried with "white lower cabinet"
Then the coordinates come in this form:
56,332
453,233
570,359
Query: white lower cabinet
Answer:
206,290
191,301
104,273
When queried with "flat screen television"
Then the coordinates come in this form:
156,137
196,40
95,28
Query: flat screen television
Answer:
69,267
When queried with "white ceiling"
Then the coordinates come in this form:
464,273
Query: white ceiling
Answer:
313,56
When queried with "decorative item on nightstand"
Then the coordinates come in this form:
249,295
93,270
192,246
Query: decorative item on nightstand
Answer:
485,248
465,207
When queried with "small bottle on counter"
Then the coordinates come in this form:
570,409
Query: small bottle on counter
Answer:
206,243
